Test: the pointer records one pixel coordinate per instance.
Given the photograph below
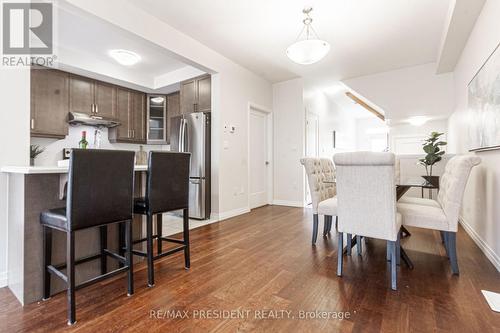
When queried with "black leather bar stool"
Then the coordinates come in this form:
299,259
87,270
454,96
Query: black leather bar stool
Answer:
167,189
100,192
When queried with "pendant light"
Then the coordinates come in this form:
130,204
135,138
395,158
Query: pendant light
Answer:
308,50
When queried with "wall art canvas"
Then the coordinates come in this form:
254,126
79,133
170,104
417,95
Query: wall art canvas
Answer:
484,105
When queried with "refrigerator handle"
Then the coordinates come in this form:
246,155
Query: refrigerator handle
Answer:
185,137
181,135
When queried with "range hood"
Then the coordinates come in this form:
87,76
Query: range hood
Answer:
77,118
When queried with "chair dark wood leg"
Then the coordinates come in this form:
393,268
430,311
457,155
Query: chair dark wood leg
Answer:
336,222
394,284
130,258
359,245
70,272
315,228
104,245
325,225
340,253
398,250
159,232
47,260
349,244
185,218
451,239
149,250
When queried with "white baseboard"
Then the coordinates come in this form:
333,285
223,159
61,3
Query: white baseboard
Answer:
288,203
488,252
3,279
231,213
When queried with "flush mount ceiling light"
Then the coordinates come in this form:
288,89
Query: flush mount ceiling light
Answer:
418,120
308,48
157,100
124,57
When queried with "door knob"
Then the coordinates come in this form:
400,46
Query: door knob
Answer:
267,162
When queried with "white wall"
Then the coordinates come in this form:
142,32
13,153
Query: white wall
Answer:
14,141
368,130
289,142
331,118
406,92
405,138
481,211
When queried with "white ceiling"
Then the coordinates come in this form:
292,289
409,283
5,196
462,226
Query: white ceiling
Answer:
366,36
82,44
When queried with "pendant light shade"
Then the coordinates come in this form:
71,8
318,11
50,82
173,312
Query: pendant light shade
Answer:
308,48
309,51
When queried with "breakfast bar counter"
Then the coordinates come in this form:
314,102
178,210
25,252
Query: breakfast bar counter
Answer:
32,190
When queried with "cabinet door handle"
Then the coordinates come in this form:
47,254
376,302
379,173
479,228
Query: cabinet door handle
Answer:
96,107
133,133
32,123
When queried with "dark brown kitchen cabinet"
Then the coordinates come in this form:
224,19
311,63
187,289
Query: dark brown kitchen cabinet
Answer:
81,94
139,116
195,95
131,113
173,110
49,103
92,97
105,99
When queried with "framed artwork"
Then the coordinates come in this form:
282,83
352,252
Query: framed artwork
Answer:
484,105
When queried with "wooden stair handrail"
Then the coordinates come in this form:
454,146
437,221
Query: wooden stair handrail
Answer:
359,101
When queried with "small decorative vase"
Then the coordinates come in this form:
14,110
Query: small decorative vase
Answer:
434,180
32,162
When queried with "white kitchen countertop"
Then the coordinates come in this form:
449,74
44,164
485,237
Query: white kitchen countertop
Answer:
29,170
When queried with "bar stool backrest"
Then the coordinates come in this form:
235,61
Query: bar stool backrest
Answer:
100,187
168,181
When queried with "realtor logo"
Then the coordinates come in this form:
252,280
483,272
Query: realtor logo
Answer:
27,28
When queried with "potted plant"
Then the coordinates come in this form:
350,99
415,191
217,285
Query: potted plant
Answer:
432,148
35,150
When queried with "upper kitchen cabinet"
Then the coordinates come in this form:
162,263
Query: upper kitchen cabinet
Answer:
157,119
105,99
131,113
196,94
49,103
92,97
173,110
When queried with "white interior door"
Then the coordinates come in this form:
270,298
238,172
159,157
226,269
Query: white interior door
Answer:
312,142
312,135
259,163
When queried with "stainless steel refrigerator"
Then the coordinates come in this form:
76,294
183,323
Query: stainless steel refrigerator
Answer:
191,133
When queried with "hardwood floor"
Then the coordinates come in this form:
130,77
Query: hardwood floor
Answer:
264,261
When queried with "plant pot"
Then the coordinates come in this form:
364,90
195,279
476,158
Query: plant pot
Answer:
434,180
32,162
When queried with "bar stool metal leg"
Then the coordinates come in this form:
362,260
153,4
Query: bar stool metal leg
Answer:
70,274
149,245
187,259
47,260
104,245
129,257
159,232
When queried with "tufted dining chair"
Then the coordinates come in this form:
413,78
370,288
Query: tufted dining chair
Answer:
324,201
442,214
367,201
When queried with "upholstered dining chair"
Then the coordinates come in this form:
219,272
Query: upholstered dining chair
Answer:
442,214
366,198
323,198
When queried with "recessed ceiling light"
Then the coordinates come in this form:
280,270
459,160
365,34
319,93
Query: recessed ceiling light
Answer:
418,120
125,57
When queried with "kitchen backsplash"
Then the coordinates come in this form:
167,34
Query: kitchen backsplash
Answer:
53,147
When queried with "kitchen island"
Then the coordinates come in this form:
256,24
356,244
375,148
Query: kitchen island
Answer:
32,190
